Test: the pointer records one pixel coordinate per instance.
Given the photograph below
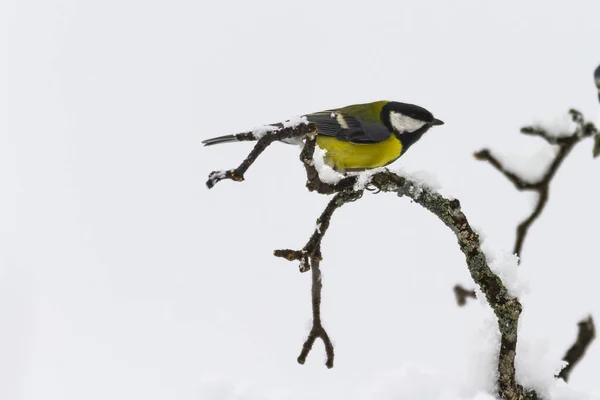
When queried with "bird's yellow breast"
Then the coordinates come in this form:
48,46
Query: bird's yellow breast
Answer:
344,156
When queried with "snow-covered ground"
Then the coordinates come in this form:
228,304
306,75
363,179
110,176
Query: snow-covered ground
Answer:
123,277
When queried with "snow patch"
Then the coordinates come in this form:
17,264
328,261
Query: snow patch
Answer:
560,125
363,178
530,168
326,173
412,381
261,131
535,365
224,389
506,265
295,121
561,391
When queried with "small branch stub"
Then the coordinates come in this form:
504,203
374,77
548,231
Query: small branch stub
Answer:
585,336
462,294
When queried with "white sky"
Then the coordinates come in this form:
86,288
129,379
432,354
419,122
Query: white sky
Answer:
123,277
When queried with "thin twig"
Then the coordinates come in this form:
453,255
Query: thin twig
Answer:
317,330
520,184
585,336
263,142
311,250
542,187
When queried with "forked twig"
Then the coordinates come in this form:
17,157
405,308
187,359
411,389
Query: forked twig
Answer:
565,145
317,330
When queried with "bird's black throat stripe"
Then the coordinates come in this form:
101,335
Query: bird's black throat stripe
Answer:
409,138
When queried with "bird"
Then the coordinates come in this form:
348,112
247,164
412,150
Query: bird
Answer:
363,136
597,79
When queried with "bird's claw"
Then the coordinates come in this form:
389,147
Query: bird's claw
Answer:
372,188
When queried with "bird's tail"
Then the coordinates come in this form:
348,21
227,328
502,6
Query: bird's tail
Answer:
220,139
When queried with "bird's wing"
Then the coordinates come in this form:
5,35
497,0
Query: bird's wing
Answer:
347,128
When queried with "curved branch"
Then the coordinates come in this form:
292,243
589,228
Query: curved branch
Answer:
506,308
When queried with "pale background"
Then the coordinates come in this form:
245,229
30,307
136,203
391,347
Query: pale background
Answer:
123,277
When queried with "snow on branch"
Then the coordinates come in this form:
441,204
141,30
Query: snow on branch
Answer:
264,138
506,308
565,143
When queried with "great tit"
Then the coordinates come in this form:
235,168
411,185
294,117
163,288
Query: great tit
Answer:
364,136
597,79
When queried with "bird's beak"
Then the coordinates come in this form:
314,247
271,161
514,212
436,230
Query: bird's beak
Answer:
437,122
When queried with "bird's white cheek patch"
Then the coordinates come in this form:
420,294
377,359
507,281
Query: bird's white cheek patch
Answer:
403,123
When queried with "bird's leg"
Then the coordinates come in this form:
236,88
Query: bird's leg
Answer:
237,174
372,188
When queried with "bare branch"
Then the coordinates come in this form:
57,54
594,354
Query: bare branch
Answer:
520,183
565,145
317,330
312,250
585,336
237,174
540,132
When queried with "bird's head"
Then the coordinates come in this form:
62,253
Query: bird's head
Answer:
403,118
